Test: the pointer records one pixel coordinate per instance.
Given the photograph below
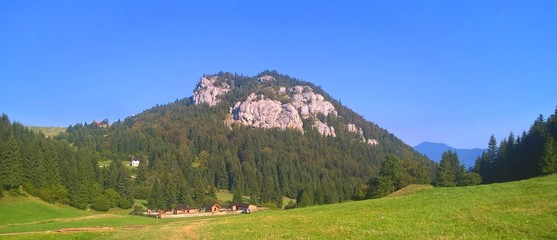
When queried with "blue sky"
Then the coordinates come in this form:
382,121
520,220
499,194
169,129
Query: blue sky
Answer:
442,71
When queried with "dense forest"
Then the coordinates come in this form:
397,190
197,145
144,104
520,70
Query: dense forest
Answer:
187,154
531,154
58,172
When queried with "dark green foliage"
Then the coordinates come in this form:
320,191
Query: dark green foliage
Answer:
529,155
237,197
305,198
156,200
100,203
392,168
10,165
380,186
54,194
548,163
449,170
394,175
469,179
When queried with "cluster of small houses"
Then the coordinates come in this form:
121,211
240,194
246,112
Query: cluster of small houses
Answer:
182,210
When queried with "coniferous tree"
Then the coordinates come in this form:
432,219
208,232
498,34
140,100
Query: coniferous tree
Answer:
548,163
380,186
169,192
184,195
10,165
157,196
389,180
305,198
449,170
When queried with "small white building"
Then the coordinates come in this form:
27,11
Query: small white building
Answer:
134,162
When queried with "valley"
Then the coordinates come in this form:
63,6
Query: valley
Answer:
523,209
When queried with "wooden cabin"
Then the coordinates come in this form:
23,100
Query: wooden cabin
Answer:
213,208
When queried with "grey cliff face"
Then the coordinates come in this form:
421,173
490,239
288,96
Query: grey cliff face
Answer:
298,103
354,129
259,111
310,103
208,91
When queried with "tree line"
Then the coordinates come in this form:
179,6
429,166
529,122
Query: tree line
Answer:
533,153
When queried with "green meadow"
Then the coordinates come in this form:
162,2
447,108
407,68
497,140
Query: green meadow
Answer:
48,131
515,210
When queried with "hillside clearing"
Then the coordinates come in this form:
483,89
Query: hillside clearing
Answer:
48,131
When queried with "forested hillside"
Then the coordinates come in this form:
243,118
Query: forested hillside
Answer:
189,151
58,172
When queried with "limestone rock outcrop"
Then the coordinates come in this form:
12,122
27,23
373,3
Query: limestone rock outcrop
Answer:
324,129
266,78
352,128
283,108
260,111
310,103
355,129
208,90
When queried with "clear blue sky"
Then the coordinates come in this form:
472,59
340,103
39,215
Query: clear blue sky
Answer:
442,71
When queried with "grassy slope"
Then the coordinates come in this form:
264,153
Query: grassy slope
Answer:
22,210
48,131
522,210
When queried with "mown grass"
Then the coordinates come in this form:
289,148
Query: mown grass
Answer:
518,210
19,210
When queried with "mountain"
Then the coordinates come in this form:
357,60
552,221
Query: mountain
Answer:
434,151
271,134
263,136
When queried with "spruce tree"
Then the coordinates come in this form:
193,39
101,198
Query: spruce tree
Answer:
156,198
449,170
548,162
11,175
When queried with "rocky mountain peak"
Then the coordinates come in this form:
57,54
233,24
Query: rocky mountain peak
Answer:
209,89
270,105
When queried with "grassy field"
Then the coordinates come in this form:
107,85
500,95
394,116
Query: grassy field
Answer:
518,210
48,131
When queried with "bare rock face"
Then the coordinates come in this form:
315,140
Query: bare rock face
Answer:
259,111
266,78
208,91
310,103
353,128
372,142
324,129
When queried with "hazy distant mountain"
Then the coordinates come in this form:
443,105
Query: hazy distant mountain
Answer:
434,151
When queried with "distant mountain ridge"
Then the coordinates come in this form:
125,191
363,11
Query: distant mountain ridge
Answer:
434,151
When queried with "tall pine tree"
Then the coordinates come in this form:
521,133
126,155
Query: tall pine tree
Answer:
548,162
11,175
